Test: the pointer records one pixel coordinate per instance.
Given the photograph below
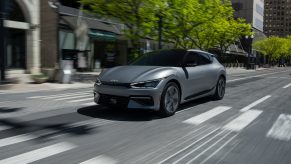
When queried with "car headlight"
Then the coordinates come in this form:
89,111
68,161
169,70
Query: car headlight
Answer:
146,84
98,82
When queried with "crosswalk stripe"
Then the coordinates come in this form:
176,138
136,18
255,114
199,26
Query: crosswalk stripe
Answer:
38,154
255,103
3,127
281,129
286,86
196,120
243,120
89,104
73,101
81,96
15,139
101,159
59,95
54,97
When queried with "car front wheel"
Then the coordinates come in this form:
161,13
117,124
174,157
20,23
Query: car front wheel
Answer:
170,99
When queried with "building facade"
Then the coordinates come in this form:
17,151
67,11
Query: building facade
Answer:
277,17
23,36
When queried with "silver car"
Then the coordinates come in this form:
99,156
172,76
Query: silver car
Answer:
161,81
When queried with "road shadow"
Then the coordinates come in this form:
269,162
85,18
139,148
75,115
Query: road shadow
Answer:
134,115
115,114
9,110
44,132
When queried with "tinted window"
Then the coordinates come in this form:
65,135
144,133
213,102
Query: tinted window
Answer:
204,59
191,59
170,58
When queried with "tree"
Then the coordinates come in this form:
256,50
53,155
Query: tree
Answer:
136,15
274,47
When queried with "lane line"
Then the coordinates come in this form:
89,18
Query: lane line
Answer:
281,129
208,148
200,146
74,97
59,95
101,159
185,148
242,120
287,86
220,148
73,101
38,154
196,120
255,103
249,77
16,139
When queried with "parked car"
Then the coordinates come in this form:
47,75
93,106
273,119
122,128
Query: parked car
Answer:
161,81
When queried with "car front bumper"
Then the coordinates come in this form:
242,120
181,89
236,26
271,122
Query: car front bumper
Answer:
142,98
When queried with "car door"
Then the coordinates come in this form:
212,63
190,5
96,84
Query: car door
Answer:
209,71
194,75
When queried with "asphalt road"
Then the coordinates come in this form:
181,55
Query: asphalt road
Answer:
252,124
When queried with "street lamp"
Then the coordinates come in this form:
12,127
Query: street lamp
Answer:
249,41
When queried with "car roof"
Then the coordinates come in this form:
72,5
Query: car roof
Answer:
197,50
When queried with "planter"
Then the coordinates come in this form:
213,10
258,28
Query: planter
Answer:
50,73
39,78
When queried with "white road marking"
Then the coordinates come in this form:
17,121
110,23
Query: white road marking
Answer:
255,103
4,127
188,146
281,129
243,120
16,139
286,86
89,104
38,154
5,102
249,77
217,150
204,143
101,159
208,148
60,95
74,97
196,120
73,101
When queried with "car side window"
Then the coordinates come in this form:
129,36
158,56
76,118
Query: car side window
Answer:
204,59
191,59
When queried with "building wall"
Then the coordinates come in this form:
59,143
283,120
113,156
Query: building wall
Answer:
277,17
251,10
48,35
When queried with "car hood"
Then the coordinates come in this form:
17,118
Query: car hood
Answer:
129,74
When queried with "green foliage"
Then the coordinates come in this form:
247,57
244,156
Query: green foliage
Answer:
202,24
274,47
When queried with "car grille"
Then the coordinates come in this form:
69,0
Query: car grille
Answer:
116,84
113,100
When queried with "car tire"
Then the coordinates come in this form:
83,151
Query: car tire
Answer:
170,100
220,89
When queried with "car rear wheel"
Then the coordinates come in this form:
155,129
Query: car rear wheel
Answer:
220,88
170,99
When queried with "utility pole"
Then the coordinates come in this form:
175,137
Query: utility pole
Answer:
3,6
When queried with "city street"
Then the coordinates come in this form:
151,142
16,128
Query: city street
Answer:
251,125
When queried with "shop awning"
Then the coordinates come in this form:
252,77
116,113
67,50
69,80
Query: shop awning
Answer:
102,35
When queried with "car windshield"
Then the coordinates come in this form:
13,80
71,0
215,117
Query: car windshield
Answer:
166,58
